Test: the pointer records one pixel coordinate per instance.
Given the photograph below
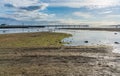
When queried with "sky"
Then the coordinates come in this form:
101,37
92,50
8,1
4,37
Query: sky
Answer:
91,12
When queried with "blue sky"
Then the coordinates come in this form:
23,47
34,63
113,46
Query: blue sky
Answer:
92,12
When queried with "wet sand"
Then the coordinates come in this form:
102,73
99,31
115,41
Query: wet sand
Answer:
59,61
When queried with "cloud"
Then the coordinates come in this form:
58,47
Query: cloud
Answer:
106,12
21,3
102,3
96,23
28,16
9,5
112,16
81,14
24,10
16,22
93,4
30,8
28,5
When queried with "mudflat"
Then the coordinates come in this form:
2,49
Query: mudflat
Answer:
56,60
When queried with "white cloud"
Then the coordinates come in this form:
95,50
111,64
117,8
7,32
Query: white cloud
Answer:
102,3
103,22
112,16
21,3
24,3
84,15
21,11
85,3
106,12
28,16
94,23
43,6
109,16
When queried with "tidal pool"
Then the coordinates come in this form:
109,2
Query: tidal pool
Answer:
91,38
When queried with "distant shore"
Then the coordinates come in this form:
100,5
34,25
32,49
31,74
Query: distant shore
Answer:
95,29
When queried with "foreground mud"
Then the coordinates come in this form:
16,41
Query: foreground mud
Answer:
59,61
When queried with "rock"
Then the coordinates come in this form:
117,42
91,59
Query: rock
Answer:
116,42
115,33
86,41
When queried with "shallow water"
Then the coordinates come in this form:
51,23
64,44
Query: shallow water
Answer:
91,38
79,37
